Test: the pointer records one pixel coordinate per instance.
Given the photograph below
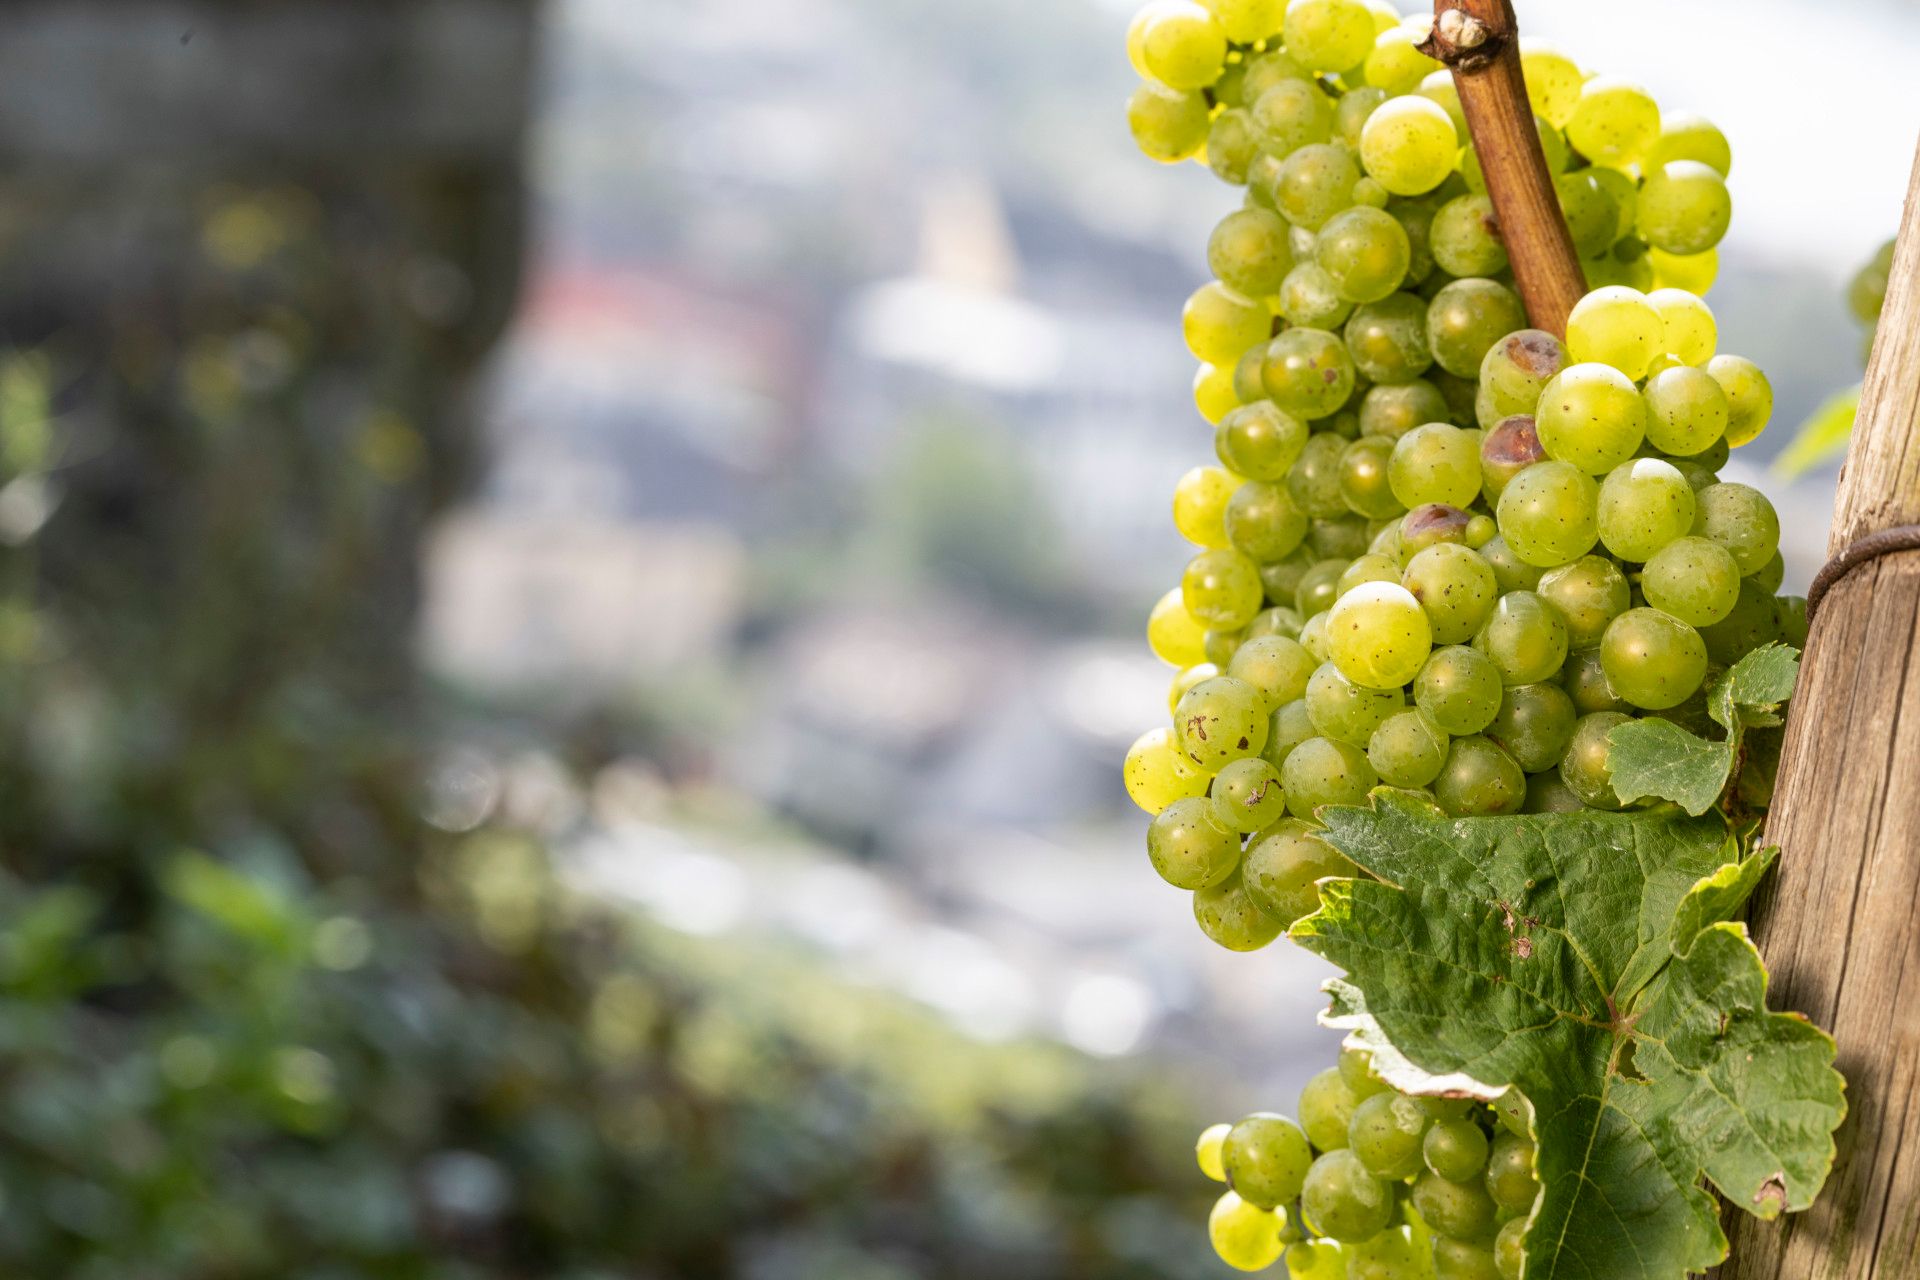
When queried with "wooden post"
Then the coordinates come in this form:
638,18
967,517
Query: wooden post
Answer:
1840,927
1479,40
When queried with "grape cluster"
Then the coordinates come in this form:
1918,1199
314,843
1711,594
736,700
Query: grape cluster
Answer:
1440,550
1370,1184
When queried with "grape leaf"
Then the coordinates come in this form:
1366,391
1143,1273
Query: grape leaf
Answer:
1657,758
1588,960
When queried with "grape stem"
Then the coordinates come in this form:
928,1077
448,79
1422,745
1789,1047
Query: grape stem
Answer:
1479,41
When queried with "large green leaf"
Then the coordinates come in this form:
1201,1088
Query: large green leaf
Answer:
1590,961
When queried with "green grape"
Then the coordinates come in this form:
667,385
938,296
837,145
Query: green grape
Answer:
1396,64
1310,299
1613,122
1308,372
1687,323
1466,238
1439,89
1687,412
1592,216
1315,481
1510,1249
1509,448
1370,567
1292,114
1326,1109
1222,645
1585,681
1137,33
1385,1135
1188,848
1267,1157
1222,589
1213,392
1392,411
1517,368
1867,292
1314,183
1249,249
1263,522
1175,635
1233,145
1455,587
1653,660
1547,794
1321,772
1589,593
1463,1260
1290,726
1260,441
1553,80
1317,1260
1365,252
1435,463
1246,1237
1341,538
1183,47
1740,519
1249,387
1246,798
1535,724
1208,1151
1344,1201
1792,622
1754,621
1220,324
1693,273
1246,21
1319,588
1430,525
1350,117
1388,339
1277,621
1282,578
1409,145
1466,318
1749,397
1770,577
1284,866
1459,1210
1455,1150
1313,637
1345,710
1200,505
1479,780
1644,505
1549,514
1684,207
1329,35
1167,125
1526,638
1415,217
1625,266
1450,1108
1509,570
1185,679
1515,1113
1379,635
1219,721
1592,416
1616,326
1459,689
1363,478
1157,775
1229,916
1584,769
1267,70
1510,1180
1481,529
1276,667
1685,136
1407,750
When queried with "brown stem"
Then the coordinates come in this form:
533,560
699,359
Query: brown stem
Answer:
1480,41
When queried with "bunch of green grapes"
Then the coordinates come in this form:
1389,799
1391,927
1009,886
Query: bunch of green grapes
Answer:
1867,293
1371,1184
1439,551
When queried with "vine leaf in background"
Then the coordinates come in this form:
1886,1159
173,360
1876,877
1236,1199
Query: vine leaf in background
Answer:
1657,758
1589,960
1822,437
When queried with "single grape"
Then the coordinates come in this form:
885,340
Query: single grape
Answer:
1247,797
1613,122
1268,69
1208,1151
1396,64
1291,114
1549,514
1509,570
1772,575
1213,391
1365,252
1345,710
1739,518
1526,639
1593,217
1694,273
1313,637
1652,659
1459,689
1379,635
1691,332
1644,505
1684,207
1233,146
1408,145
1535,724
1200,505
1408,749
1455,1149
1466,237
1433,524
1585,680
1515,1113
1281,581
1590,593
1175,635
1267,1157
1618,327
1185,679
1435,463
1585,769
1450,1108
1463,1260
1685,136
1329,35
1687,412
1388,339
1157,775
1326,1109
1275,666
1338,539
1415,216
1314,183
1222,589
1169,126
1322,772
1290,726
1283,868
1518,368
1749,397
1466,319
1363,478
1509,448
1188,848
1221,324
1260,441
1459,1210
1263,522
1221,646
1553,80
1249,384
1246,1237
1368,568
1479,780
1314,482
1319,588
1183,47
1248,250
1344,1200
1310,299
1439,89
1385,1134
1219,721
1455,587
1510,1180
1510,1248
1308,372
1228,915
1756,619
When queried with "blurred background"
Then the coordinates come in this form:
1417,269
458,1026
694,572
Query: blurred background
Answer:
571,590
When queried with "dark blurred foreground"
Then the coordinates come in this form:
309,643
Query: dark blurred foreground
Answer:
260,1017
